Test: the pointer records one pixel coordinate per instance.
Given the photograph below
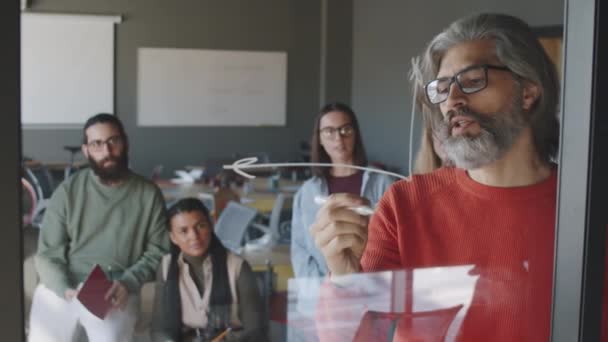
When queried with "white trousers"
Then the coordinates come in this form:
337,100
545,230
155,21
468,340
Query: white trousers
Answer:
54,319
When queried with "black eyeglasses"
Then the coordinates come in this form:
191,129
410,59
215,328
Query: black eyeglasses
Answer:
330,133
470,80
98,145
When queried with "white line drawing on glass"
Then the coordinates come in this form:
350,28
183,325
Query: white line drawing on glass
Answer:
250,163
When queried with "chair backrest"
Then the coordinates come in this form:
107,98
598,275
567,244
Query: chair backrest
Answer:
29,201
232,224
281,202
275,215
40,177
274,231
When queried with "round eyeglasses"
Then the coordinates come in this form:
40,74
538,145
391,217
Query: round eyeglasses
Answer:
332,132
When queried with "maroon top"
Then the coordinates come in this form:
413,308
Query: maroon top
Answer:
349,184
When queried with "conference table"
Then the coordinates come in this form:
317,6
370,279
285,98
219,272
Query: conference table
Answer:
258,194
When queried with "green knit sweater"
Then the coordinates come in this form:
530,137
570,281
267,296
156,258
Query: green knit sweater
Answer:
122,228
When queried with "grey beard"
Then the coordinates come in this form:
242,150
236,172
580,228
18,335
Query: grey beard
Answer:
471,153
498,133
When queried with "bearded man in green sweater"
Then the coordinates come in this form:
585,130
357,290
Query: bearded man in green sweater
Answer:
104,215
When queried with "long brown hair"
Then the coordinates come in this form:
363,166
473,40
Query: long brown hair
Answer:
318,153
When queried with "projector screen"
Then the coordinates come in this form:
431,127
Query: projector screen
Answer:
67,68
187,87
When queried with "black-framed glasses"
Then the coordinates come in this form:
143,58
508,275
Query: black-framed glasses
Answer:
331,132
113,141
470,80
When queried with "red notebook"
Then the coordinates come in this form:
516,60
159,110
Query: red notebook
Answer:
92,292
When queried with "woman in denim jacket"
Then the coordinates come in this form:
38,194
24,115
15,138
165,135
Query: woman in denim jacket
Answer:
336,139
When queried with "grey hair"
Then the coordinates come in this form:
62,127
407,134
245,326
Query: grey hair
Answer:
518,48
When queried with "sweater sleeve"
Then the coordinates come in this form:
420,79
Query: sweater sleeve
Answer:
382,249
250,307
53,242
304,264
157,244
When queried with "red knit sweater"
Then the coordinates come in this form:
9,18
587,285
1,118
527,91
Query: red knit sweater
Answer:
446,219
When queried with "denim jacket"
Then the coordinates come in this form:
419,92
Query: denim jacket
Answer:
306,259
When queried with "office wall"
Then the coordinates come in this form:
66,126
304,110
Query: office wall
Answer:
386,35
289,25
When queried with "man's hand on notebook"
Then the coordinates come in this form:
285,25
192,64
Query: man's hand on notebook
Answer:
117,295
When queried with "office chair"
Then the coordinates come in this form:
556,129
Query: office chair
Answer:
232,225
42,181
276,229
29,201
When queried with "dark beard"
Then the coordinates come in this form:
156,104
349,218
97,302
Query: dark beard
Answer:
498,133
112,174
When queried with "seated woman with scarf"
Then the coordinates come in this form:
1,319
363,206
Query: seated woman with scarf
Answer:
203,289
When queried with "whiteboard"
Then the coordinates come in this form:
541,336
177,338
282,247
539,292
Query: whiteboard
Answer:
188,87
67,67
